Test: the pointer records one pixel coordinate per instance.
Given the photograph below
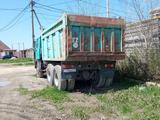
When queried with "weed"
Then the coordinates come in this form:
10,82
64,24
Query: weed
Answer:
22,90
18,61
132,101
51,93
80,112
125,99
25,63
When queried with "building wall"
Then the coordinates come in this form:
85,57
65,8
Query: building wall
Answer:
135,32
2,54
6,52
28,53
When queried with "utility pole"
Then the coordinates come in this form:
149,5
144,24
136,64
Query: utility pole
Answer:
41,27
23,50
78,8
19,50
107,6
32,15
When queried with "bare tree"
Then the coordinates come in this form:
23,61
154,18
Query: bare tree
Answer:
146,29
145,33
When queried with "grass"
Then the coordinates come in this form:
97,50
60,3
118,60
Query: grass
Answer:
137,102
80,113
23,91
25,63
49,93
52,94
125,99
18,61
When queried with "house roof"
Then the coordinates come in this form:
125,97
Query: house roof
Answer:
29,49
3,46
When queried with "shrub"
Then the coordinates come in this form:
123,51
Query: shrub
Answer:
145,67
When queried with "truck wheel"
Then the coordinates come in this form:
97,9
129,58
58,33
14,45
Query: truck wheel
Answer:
39,69
99,81
50,74
71,84
58,82
108,82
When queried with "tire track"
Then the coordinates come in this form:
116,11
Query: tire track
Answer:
25,112
14,113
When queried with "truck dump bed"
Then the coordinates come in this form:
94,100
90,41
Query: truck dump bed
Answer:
83,38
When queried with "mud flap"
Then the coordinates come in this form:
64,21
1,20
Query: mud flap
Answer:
108,75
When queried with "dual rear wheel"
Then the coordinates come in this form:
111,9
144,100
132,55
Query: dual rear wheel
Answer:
102,82
54,77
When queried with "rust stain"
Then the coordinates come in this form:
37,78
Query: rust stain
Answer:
95,21
105,52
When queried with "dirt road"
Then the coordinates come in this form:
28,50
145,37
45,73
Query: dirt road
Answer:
14,106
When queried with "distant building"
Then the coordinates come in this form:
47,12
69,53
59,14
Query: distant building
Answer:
5,50
155,13
136,34
27,53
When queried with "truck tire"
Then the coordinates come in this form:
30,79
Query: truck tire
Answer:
50,74
58,82
39,69
71,84
108,82
99,81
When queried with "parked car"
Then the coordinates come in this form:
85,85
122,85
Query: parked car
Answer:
7,57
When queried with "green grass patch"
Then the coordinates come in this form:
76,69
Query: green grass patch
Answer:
49,93
25,63
125,99
18,61
52,94
22,90
81,113
135,102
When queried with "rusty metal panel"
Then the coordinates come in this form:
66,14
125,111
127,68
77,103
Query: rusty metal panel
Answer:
87,38
117,34
97,39
95,21
107,39
96,56
95,36
76,37
92,39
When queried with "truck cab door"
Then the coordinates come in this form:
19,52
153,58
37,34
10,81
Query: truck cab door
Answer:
37,51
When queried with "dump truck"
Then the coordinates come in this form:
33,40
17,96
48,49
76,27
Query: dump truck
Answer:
78,47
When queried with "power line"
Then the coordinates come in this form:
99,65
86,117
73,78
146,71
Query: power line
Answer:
100,6
112,11
12,25
48,9
51,8
41,27
47,15
11,9
60,3
47,18
15,20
